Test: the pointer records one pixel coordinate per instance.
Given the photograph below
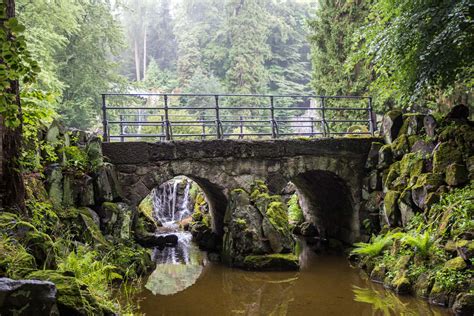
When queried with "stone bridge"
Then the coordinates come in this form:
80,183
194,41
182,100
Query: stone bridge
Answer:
327,173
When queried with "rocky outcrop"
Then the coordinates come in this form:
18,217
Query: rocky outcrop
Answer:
257,231
425,163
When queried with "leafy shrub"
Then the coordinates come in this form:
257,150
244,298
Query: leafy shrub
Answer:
421,243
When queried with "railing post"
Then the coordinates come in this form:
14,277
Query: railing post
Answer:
241,135
323,118
162,128
201,118
371,117
167,120
312,125
272,111
104,119
218,120
122,139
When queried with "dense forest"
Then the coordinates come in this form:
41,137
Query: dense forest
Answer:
85,48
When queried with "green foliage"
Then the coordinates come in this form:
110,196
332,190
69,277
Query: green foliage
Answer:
15,261
449,280
76,158
422,243
419,50
17,65
97,274
376,246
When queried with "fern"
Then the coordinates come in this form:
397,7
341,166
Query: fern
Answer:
421,243
376,246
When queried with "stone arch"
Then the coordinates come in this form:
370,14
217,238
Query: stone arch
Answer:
328,203
214,193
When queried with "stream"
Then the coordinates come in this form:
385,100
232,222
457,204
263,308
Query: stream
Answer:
186,283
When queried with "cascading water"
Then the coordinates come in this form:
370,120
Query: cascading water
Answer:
177,267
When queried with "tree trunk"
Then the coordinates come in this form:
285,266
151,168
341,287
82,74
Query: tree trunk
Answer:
137,60
14,197
144,52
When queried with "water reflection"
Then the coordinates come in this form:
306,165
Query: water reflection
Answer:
177,268
388,303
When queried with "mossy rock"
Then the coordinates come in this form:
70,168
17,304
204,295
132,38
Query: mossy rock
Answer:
401,146
456,174
457,264
464,304
412,165
446,154
392,122
412,123
72,296
401,283
385,157
423,285
373,156
393,174
271,262
378,273
391,214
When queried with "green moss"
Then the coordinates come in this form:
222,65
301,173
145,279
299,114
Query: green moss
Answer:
411,165
393,173
277,261
457,263
444,155
278,216
456,174
295,213
257,188
390,202
145,207
401,283
401,145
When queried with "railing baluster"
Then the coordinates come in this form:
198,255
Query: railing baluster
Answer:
201,118
122,139
218,120
312,125
104,119
241,135
162,128
167,120
272,111
323,118
371,117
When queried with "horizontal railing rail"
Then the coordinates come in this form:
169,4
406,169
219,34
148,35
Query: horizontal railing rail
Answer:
164,117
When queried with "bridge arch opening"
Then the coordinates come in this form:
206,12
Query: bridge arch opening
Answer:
175,200
326,202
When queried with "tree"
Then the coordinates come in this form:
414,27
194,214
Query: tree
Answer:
332,31
421,51
248,32
16,66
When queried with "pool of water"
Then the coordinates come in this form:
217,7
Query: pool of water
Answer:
325,285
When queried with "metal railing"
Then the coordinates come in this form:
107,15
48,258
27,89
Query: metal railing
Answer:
164,117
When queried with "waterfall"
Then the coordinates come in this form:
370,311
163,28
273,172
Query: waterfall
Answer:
169,206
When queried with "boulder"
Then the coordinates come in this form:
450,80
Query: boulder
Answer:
412,123
378,274
94,152
54,177
456,174
423,285
445,154
400,146
72,296
401,283
464,304
425,148
391,213
70,190
385,157
375,181
373,156
271,262
429,124
27,297
391,123
406,207
85,186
